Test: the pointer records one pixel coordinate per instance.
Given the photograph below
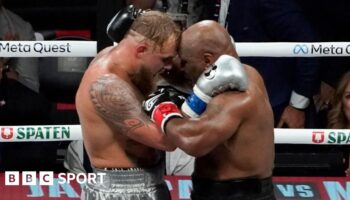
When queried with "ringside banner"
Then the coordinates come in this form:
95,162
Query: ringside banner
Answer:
40,133
293,49
286,188
73,132
50,48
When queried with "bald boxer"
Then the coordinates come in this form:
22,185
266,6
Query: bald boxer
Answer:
230,129
120,140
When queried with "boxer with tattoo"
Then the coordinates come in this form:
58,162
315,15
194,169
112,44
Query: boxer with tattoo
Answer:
120,139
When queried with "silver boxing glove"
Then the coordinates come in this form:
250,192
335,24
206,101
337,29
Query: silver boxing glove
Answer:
227,73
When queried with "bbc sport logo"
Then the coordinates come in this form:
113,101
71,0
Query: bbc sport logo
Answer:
47,178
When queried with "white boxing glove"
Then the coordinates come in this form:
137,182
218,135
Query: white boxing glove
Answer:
227,73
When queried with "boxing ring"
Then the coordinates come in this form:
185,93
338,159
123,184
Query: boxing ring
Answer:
311,188
89,49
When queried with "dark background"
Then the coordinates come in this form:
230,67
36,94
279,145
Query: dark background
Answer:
331,18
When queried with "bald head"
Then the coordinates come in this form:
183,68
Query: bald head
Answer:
207,37
201,45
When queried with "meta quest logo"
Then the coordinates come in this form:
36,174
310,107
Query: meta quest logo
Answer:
301,49
321,49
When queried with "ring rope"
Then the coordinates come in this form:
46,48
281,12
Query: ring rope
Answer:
71,48
44,133
48,48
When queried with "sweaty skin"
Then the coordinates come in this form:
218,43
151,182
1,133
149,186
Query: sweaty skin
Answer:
116,132
234,137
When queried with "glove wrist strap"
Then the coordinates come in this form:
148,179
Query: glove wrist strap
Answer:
164,112
200,94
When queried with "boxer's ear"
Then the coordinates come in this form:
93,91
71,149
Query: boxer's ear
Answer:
140,50
208,59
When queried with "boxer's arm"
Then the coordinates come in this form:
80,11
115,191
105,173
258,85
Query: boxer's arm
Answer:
217,124
116,102
227,73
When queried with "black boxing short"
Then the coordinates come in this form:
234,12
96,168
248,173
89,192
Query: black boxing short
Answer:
242,189
127,184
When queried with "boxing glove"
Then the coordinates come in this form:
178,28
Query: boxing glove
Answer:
175,95
121,23
162,106
227,73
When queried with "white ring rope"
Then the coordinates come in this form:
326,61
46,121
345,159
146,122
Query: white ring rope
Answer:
55,48
45,133
50,48
293,49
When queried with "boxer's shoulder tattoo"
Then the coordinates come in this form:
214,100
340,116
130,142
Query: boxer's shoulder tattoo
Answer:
115,100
